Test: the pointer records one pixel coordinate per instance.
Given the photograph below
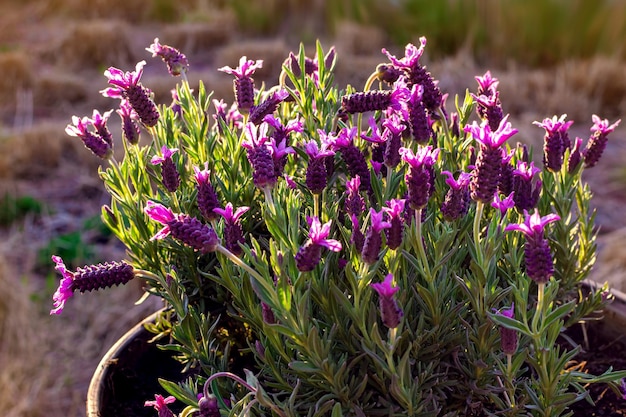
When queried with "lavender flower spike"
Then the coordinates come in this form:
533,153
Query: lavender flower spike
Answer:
130,129
508,337
418,117
183,227
160,404
99,122
419,177
169,172
598,140
233,233
456,202
92,141
126,86
243,84
207,198
267,106
395,211
486,175
259,156
316,174
176,61
390,312
539,263
88,278
309,255
504,204
373,240
556,141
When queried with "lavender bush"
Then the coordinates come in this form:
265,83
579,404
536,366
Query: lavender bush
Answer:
332,252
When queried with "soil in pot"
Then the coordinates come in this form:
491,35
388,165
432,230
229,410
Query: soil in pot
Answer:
132,379
605,350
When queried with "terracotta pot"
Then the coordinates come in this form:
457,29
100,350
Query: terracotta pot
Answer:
613,324
128,375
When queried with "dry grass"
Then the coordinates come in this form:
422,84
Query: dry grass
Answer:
36,151
17,76
95,44
577,88
21,352
57,93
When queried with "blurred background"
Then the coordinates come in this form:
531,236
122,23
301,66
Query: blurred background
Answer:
551,56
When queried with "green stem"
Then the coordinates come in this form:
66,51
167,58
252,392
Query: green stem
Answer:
477,218
235,259
420,244
540,306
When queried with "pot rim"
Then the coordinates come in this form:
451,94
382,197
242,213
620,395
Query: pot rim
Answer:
95,391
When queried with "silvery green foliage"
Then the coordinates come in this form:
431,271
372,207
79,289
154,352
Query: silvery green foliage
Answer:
265,338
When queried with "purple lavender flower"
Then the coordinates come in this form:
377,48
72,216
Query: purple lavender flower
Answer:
556,141
457,199
92,141
206,196
395,232
373,100
576,156
183,227
417,116
126,86
598,140
233,233
267,106
357,239
539,263
486,173
354,204
526,190
373,239
394,128
208,406
176,61
416,74
390,313
88,278
169,173
130,129
244,84
352,156
419,177
491,108
282,132
310,65
503,205
175,104
622,387
259,156
279,152
505,185
487,85
316,175
508,337
160,404
309,254
99,123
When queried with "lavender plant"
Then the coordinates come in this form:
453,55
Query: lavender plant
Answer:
310,265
